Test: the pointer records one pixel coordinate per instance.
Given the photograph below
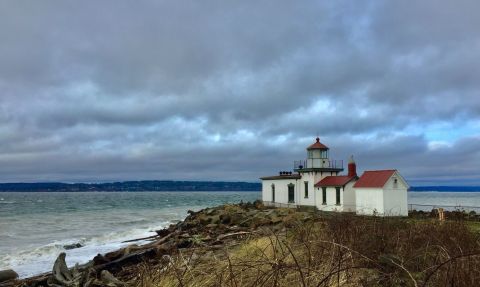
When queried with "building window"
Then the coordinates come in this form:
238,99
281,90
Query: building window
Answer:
310,154
324,195
273,192
306,189
395,183
337,189
291,193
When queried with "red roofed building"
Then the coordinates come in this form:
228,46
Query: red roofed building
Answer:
382,192
315,181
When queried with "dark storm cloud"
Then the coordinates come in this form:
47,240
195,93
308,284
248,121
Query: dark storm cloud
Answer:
118,90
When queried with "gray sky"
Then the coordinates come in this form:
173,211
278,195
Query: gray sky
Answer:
235,90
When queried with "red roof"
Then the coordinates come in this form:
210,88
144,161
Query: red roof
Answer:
374,178
334,181
317,145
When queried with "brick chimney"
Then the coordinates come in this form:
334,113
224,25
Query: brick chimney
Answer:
352,167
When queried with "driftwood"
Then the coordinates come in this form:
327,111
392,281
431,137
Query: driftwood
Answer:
140,239
128,259
62,276
223,236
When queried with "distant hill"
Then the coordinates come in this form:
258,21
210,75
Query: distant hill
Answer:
170,185
153,185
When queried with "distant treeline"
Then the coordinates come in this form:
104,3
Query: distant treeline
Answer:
170,185
154,185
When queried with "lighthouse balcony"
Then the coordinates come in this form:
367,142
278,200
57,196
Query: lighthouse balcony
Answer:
321,164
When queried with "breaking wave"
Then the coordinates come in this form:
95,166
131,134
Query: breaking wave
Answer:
40,259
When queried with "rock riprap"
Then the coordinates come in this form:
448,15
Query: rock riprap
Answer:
215,227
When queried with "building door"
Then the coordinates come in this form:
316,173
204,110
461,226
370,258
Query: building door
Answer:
273,192
291,193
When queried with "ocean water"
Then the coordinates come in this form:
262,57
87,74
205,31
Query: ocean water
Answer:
35,227
449,200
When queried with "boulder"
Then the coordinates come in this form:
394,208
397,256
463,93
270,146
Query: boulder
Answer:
215,219
109,280
225,218
209,211
72,246
212,226
163,232
7,275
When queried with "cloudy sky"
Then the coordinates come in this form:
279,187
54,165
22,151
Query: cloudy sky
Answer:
234,90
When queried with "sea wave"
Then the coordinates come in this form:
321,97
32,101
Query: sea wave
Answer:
40,259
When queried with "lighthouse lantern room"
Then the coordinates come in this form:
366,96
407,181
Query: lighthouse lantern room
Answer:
318,160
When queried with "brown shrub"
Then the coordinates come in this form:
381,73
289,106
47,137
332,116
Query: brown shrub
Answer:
335,250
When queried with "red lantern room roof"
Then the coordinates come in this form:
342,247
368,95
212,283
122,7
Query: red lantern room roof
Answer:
317,145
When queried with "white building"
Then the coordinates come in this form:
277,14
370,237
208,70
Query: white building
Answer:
316,182
382,192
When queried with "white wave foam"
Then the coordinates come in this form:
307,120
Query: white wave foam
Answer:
40,259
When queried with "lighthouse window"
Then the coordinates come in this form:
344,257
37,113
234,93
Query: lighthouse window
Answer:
395,183
337,189
323,154
306,189
324,195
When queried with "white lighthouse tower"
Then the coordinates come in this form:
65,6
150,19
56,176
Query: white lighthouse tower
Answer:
316,167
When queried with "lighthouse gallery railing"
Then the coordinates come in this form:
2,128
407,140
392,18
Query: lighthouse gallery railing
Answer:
301,164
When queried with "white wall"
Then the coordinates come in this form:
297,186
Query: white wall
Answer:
349,203
391,200
395,197
281,189
331,204
310,200
369,200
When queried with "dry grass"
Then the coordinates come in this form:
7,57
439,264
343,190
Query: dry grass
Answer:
338,250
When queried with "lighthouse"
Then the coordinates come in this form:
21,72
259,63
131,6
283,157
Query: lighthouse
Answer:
317,182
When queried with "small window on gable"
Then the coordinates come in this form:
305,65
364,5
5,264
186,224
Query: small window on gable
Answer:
395,182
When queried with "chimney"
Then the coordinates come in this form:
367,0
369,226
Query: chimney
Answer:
352,167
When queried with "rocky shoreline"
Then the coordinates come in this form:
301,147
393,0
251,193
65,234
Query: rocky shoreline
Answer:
250,242
211,228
